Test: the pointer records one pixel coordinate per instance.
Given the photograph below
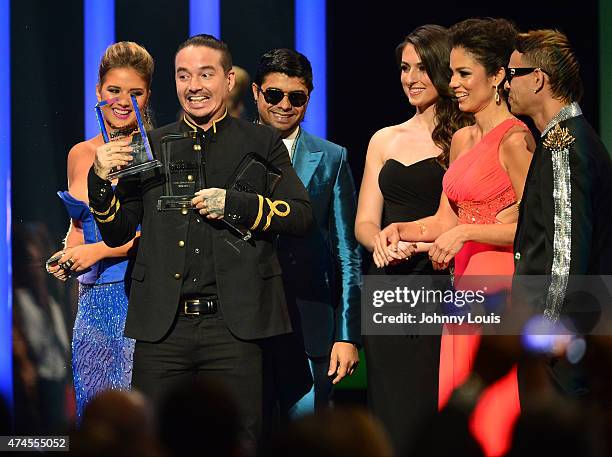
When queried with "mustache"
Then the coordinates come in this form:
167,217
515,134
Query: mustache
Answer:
198,93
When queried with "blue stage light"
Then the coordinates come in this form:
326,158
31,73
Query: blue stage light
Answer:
98,34
311,40
6,300
205,17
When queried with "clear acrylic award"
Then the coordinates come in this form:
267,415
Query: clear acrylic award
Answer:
141,149
183,172
254,174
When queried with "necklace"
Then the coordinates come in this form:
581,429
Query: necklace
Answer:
125,131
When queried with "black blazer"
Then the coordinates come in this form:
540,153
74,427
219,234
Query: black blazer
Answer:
580,300
590,171
248,274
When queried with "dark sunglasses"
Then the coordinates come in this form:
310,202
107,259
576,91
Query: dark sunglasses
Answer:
275,96
520,71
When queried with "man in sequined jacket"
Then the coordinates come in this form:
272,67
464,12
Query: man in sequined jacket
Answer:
566,212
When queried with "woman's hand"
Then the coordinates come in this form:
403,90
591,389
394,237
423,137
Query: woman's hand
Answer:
388,248
80,257
446,246
381,254
55,269
112,155
405,249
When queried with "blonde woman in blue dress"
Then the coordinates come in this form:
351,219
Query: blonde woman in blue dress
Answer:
101,355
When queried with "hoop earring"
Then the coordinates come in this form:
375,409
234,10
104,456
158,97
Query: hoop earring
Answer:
497,97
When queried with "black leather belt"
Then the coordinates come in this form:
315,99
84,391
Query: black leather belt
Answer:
199,306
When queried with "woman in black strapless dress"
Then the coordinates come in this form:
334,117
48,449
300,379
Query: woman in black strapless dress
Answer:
402,181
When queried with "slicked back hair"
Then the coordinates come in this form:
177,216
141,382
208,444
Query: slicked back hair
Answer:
209,41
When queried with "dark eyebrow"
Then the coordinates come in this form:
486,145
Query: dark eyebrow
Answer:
112,86
204,67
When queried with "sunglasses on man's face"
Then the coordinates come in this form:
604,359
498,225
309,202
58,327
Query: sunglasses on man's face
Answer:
275,96
520,71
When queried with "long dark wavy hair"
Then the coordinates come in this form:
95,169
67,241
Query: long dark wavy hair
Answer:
432,44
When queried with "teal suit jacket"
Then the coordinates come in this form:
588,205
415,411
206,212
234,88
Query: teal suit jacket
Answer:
322,271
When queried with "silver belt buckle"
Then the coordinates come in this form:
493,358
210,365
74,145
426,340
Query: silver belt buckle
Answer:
187,313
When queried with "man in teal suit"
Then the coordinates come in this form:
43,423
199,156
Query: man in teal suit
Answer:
321,272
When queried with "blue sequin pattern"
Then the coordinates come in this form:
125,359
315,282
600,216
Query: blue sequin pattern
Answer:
101,356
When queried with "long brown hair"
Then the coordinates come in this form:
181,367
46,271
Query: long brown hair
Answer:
432,44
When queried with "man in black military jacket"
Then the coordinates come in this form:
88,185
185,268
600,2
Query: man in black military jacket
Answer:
202,297
565,216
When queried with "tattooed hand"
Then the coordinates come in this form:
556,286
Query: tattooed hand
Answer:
210,202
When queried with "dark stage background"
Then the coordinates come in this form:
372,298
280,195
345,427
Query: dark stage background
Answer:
364,93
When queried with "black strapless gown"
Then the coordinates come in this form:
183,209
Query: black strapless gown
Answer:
403,369
410,193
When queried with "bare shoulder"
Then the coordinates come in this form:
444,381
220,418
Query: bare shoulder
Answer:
518,139
384,135
83,152
461,141
464,134
80,159
380,142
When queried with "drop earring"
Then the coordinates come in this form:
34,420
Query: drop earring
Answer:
147,118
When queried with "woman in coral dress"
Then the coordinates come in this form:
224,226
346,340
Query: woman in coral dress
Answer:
476,220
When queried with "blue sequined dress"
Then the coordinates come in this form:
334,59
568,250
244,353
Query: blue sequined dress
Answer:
101,356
